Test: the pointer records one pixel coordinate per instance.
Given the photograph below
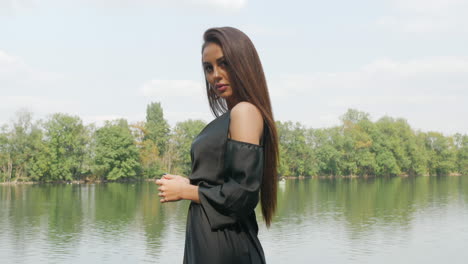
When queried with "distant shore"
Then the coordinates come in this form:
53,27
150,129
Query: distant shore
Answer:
280,178
73,182
353,176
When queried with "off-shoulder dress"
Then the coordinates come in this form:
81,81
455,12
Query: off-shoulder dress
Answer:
222,228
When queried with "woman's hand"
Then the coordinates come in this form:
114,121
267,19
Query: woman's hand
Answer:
171,187
175,177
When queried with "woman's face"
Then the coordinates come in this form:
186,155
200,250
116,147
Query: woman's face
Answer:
215,68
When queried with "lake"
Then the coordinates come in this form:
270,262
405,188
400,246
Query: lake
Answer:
376,220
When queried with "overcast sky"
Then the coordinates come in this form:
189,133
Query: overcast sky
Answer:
105,59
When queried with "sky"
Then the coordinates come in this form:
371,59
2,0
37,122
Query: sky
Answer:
107,59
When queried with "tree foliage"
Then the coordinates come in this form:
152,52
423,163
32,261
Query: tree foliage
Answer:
360,147
157,128
116,155
181,140
61,148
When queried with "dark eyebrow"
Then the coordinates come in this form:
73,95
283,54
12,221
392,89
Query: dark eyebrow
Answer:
217,60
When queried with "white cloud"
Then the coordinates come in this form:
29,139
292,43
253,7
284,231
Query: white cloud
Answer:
14,72
172,88
176,116
99,120
11,67
422,24
376,100
221,4
42,103
40,106
25,87
264,30
180,99
434,7
421,77
426,16
432,93
173,117
431,65
224,4
14,6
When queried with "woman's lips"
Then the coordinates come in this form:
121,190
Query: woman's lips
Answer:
222,88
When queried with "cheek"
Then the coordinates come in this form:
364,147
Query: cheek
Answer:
209,79
226,75
230,90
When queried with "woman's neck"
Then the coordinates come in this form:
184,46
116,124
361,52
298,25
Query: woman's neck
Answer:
231,102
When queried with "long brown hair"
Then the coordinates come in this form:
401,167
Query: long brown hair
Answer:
248,80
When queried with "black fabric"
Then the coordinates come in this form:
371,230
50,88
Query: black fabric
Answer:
223,227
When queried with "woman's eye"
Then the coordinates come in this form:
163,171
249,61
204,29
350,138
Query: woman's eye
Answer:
223,63
208,68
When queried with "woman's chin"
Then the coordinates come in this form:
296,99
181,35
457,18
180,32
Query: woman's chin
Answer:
225,95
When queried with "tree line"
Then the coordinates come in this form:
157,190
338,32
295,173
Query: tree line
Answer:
62,148
360,147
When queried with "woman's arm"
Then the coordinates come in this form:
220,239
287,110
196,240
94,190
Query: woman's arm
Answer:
191,193
175,187
246,126
238,196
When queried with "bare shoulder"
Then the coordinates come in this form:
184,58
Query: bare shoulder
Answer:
246,123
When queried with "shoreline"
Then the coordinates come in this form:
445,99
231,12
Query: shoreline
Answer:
279,179
73,182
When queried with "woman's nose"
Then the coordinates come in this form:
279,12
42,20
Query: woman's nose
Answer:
216,73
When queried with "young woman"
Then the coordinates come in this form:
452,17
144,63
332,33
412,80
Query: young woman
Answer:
234,158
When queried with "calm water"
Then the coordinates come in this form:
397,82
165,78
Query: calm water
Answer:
396,220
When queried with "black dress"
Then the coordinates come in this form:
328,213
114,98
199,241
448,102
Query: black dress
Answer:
223,227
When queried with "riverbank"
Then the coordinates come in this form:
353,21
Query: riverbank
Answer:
280,178
354,176
73,182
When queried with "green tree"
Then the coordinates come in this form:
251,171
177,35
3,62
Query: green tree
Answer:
353,116
157,128
150,159
62,148
461,143
66,139
297,157
441,152
357,157
181,140
312,163
19,147
329,157
364,142
116,155
6,162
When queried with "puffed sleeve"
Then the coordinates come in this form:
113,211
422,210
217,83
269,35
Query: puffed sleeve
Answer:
226,203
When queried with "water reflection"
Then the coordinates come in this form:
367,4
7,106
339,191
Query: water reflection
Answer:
319,220
360,220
